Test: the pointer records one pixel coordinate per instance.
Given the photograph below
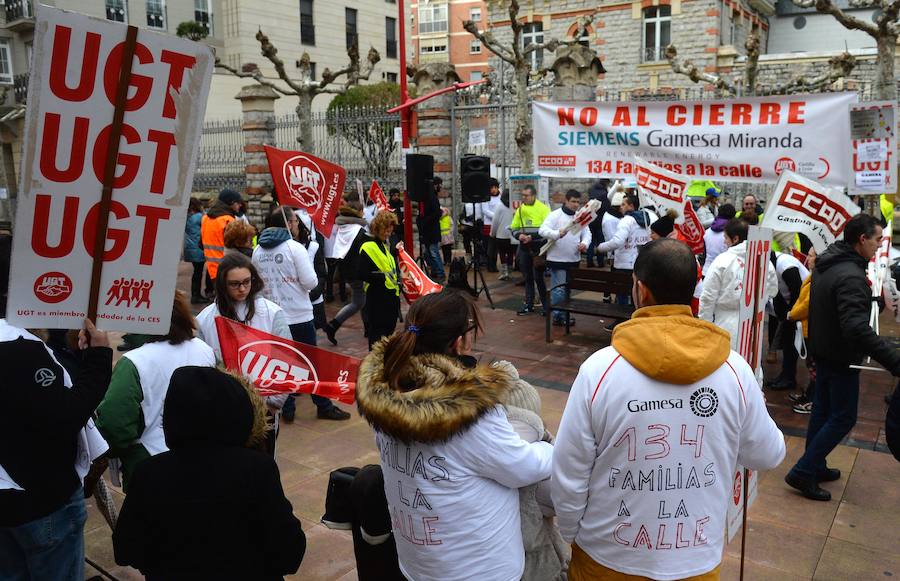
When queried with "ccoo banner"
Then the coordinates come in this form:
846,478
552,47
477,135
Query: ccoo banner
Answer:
71,91
749,139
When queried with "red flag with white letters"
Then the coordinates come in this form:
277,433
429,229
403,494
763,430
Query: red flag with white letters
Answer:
305,181
376,194
692,230
413,282
276,365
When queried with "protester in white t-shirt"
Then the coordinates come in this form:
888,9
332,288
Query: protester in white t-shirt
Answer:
652,431
791,273
452,462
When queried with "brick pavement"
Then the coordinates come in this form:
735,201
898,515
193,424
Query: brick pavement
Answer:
853,537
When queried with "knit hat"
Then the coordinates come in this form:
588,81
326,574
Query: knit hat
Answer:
521,393
664,226
229,196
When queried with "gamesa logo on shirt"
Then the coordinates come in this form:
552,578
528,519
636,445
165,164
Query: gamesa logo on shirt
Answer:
704,402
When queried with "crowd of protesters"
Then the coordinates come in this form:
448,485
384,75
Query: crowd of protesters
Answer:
470,484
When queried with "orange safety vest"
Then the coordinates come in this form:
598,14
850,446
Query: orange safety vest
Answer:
212,233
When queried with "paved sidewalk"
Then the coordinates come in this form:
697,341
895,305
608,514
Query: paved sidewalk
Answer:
855,536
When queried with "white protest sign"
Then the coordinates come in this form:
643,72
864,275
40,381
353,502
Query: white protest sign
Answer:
750,139
477,138
666,190
873,147
802,205
71,91
398,134
753,301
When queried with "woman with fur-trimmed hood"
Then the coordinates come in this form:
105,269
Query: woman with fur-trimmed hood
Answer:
452,462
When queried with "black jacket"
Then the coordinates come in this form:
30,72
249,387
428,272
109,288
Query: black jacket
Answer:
40,419
209,508
840,304
429,220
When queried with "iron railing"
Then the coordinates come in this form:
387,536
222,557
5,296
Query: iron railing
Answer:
18,9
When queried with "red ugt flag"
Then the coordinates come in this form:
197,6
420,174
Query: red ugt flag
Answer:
276,365
304,181
376,194
413,282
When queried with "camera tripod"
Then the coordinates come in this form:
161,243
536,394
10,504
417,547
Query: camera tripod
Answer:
475,267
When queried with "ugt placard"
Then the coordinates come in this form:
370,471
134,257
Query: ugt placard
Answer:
71,92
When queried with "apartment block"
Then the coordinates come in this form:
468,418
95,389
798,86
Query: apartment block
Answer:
438,35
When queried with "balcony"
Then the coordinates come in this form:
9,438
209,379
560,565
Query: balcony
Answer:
19,15
20,87
650,54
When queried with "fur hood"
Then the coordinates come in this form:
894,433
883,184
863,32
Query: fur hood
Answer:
447,397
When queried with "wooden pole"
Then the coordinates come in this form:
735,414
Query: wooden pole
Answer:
109,171
744,520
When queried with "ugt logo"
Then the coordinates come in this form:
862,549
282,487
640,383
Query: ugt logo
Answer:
305,180
267,363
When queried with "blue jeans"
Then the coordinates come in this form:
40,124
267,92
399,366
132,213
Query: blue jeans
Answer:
558,276
51,547
833,415
305,333
433,259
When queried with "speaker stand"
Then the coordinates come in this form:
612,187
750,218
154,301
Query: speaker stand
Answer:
476,276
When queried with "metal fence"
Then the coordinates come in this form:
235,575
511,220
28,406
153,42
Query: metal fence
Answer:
220,157
360,139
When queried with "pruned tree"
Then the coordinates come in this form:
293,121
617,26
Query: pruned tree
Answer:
885,30
519,56
839,66
305,88
371,134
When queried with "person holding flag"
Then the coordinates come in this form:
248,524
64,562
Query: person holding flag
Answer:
565,254
377,269
289,276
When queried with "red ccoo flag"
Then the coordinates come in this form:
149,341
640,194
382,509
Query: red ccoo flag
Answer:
692,230
413,281
305,181
376,194
276,365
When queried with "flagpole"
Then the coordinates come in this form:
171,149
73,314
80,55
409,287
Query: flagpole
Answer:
404,126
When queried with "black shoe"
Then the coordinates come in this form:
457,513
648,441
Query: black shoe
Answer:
288,416
809,488
781,385
798,397
525,310
330,331
829,475
332,413
804,408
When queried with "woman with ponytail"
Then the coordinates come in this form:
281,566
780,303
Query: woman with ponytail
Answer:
452,462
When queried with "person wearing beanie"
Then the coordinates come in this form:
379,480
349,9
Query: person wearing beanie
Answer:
706,211
212,228
714,237
212,506
663,227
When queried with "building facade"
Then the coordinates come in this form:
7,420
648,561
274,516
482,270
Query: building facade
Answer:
323,29
438,35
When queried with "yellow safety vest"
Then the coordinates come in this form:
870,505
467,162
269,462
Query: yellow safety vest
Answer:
385,263
445,225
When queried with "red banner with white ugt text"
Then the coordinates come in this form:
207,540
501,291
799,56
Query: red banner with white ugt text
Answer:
305,181
413,281
276,365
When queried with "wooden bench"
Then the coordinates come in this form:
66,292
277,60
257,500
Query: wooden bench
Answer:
590,279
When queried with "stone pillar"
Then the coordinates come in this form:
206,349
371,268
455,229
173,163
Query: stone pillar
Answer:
433,131
576,69
258,109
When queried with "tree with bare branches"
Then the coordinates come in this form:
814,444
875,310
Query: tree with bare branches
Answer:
519,57
305,88
884,30
839,66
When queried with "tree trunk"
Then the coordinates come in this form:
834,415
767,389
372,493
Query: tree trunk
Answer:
523,119
304,114
885,84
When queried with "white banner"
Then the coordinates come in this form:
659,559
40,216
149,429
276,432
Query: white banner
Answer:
873,147
665,190
750,344
802,205
68,121
749,139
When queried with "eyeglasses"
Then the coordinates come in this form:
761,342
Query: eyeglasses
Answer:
237,284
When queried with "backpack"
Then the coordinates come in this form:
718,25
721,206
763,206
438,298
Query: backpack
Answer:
457,278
